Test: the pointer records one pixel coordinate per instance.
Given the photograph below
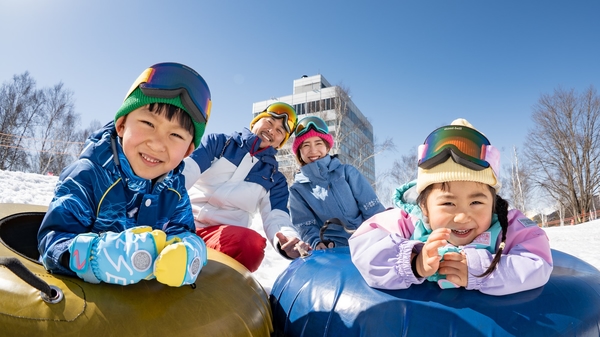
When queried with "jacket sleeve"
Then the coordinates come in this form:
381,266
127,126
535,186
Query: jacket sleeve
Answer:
71,212
275,214
363,192
201,159
381,250
182,220
181,225
525,264
304,219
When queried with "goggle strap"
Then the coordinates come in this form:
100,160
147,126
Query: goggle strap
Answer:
492,156
421,151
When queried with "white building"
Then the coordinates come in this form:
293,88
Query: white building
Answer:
315,96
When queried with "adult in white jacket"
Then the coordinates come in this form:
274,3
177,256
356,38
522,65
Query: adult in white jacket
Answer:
231,177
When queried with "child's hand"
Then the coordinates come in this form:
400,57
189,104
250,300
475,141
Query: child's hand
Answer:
455,268
321,245
428,261
119,258
182,259
288,245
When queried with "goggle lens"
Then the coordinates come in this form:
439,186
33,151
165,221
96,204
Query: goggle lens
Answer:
285,111
313,122
169,80
466,146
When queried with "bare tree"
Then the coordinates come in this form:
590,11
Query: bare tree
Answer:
57,133
83,135
20,104
350,128
38,127
518,187
404,169
564,148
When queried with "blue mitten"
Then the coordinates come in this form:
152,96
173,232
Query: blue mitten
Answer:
441,279
181,260
120,258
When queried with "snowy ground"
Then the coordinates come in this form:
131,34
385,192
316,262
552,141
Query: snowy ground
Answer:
582,241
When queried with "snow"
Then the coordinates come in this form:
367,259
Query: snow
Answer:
582,241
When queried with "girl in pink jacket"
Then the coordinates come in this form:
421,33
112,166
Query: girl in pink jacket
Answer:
452,227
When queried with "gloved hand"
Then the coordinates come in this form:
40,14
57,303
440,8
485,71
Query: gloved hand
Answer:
119,258
441,279
180,262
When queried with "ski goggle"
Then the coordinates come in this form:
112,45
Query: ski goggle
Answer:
311,122
285,111
467,147
169,80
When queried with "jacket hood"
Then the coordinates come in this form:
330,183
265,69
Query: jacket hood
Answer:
405,198
98,145
318,169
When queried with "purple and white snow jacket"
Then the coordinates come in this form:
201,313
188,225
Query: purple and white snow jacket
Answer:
382,246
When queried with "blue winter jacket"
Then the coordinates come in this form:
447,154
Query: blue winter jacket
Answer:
99,193
326,189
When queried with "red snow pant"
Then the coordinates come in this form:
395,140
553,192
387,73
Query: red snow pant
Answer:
243,244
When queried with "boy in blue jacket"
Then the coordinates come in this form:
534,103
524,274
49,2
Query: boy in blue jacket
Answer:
121,212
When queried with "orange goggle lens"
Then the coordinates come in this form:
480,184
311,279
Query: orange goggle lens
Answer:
285,111
467,147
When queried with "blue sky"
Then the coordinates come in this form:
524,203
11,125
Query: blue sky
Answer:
411,66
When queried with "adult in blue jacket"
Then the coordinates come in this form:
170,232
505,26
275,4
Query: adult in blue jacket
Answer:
233,177
121,213
325,189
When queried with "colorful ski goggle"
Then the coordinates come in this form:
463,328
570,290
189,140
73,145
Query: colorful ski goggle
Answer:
169,80
467,147
311,122
285,111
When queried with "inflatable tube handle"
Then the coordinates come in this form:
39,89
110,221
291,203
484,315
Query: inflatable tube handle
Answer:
49,294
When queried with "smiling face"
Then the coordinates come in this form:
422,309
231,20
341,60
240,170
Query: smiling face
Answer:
313,148
153,144
270,130
463,206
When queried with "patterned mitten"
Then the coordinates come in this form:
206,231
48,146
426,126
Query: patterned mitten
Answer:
441,279
119,258
181,260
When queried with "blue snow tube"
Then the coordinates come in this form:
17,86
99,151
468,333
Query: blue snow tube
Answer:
324,295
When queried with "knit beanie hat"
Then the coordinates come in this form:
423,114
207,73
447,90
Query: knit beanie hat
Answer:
327,138
137,99
451,171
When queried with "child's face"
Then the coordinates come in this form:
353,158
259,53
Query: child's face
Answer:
270,131
313,148
152,144
465,207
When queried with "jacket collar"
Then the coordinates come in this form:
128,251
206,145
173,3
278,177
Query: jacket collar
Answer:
318,169
251,143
